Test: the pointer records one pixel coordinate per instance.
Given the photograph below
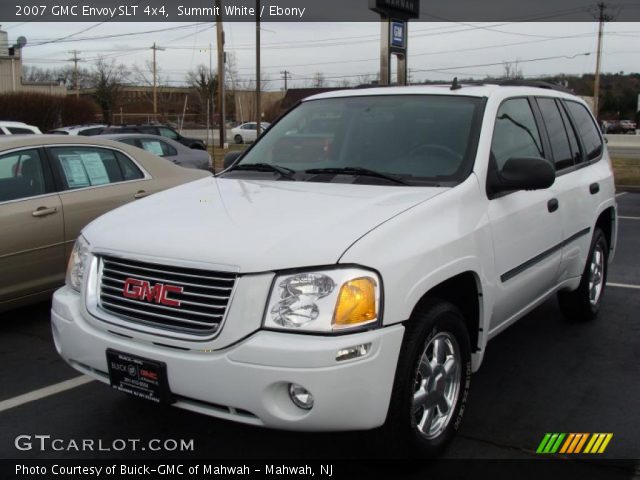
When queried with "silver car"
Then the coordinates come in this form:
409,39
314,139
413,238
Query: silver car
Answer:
166,148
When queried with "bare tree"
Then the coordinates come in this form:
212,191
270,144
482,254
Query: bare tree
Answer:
63,75
107,80
318,80
366,79
205,85
250,83
511,71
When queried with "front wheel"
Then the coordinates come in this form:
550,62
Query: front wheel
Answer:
238,139
432,381
584,303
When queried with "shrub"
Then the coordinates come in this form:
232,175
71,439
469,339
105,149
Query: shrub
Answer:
46,111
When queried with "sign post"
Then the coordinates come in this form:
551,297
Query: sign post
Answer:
394,19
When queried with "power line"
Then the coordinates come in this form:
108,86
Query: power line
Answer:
115,35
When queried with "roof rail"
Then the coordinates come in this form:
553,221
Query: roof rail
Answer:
534,83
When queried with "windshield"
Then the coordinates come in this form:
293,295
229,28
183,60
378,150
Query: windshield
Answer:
409,139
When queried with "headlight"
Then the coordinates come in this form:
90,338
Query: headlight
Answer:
324,301
77,263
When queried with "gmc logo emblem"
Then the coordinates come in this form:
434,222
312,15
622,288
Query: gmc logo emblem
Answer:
142,290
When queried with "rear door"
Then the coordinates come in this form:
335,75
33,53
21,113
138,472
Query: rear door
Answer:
526,228
94,180
32,234
583,188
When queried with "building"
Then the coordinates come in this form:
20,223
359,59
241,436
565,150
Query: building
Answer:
11,71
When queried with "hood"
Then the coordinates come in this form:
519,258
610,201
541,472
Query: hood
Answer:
252,225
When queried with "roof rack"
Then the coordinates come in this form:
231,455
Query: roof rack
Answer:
534,83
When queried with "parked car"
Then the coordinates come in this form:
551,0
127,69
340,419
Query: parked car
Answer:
247,132
627,126
84,130
350,276
153,129
50,188
18,128
620,127
166,148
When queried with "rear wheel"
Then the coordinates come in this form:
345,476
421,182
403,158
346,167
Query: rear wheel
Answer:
432,381
584,303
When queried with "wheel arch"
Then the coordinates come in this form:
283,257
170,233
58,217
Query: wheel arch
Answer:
464,290
607,223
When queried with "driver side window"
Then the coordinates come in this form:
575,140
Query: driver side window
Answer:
516,133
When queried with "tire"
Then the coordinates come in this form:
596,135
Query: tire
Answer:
411,427
583,304
238,139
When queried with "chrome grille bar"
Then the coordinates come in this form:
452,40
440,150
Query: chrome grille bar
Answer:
198,309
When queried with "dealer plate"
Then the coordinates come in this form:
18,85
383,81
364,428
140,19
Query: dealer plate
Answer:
139,376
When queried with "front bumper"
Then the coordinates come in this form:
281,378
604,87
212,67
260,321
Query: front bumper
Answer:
248,381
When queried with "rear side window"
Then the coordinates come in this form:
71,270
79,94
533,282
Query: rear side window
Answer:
563,155
167,132
20,131
158,147
587,129
129,169
88,166
21,175
91,131
516,133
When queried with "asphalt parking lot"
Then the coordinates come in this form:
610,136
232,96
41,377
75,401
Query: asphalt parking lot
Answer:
543,374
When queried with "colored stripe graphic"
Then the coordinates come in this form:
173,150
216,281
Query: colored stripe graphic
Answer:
573,443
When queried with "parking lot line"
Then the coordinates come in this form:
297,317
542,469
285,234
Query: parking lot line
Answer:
44,392
623,285
620,194
629,218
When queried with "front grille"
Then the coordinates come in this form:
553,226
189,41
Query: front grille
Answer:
199,309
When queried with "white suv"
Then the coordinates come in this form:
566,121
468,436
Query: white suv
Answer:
349,276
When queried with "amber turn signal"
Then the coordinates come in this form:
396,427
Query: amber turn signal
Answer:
356,303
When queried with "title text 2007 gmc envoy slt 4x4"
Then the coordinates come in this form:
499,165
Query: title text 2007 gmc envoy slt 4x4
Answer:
347,271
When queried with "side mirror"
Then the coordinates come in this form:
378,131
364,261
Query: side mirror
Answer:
523,173
230,158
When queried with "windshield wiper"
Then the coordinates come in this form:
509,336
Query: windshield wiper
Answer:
266,167
359,171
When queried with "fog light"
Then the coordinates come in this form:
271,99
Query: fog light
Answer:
353,352
301,396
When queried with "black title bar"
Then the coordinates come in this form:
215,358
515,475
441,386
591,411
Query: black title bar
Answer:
310,10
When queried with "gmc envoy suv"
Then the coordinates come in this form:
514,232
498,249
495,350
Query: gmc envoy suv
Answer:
348,270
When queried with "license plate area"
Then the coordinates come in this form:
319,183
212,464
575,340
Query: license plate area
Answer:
139,376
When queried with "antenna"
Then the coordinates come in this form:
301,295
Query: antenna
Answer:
455,85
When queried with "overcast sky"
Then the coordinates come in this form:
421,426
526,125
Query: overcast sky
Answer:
341,51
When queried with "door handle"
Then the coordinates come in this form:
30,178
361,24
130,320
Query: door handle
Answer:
44,211
594,188
552,205
140,194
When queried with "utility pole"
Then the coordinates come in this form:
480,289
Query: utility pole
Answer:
155,48
221,55
76,83
285,74
602,17
258,106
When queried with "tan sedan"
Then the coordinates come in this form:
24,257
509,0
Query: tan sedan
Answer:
50,188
